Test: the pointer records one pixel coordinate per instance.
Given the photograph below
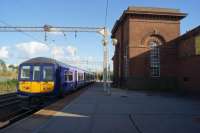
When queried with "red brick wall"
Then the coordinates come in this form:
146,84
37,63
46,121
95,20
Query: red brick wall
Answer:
139,28
122,36
188,67
117,56
135,31
168,60
186,47
189,73
139,52
138,61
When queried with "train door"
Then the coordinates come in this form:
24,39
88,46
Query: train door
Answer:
68,80
36,77
64,79
62,84
75,79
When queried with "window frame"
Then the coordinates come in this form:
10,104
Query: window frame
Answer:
39,74
43,68
21,70
82,76
66,73
154,59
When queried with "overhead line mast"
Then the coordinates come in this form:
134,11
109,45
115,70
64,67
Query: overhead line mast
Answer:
48,28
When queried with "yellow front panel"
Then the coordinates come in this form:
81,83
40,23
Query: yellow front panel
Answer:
47,86
36,87
25,86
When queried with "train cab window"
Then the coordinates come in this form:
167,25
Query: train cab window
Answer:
25,72
47,73
68,76
36,73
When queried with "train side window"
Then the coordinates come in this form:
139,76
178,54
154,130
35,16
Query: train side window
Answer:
47,73
80,76
36,73
25,72
68,76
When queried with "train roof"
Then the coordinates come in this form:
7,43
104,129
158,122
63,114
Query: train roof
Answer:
40,60
45,60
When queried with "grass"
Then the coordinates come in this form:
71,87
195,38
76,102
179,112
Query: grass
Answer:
8,86
8,82
8,74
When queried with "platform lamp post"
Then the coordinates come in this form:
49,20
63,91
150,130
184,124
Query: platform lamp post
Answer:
114,41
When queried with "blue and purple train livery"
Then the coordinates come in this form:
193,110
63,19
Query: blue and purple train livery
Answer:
45,76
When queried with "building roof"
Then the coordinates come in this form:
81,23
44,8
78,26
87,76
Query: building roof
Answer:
153,9
191,33
150,11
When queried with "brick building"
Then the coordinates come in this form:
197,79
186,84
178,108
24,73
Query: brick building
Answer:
150,50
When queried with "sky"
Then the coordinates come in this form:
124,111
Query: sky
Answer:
82,49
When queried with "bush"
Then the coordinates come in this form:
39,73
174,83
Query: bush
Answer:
8,86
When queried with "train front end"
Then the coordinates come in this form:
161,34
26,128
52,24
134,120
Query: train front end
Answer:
36,80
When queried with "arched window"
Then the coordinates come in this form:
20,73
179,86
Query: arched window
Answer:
154,59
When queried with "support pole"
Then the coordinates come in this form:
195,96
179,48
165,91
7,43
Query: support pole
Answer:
105,62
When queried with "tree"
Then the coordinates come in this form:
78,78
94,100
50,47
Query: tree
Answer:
15,68
11,67
3,66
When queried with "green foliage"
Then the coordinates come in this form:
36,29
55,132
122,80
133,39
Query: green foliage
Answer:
10,73
13,68
8,86
3,66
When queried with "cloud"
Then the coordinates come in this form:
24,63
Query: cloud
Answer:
71,50
26,50
63,53
58,53
4,53
32,48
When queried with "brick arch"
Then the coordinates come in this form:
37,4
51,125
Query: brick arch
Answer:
153,36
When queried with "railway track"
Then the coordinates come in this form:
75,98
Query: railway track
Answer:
13,109
8,100
17,115
9,103
8,95
20,110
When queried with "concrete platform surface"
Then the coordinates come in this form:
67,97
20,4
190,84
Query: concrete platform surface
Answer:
95,112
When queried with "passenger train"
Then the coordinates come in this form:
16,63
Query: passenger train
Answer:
48,77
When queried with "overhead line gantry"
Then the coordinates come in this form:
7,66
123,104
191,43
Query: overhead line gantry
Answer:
48,28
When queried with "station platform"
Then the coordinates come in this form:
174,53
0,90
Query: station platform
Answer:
121,112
